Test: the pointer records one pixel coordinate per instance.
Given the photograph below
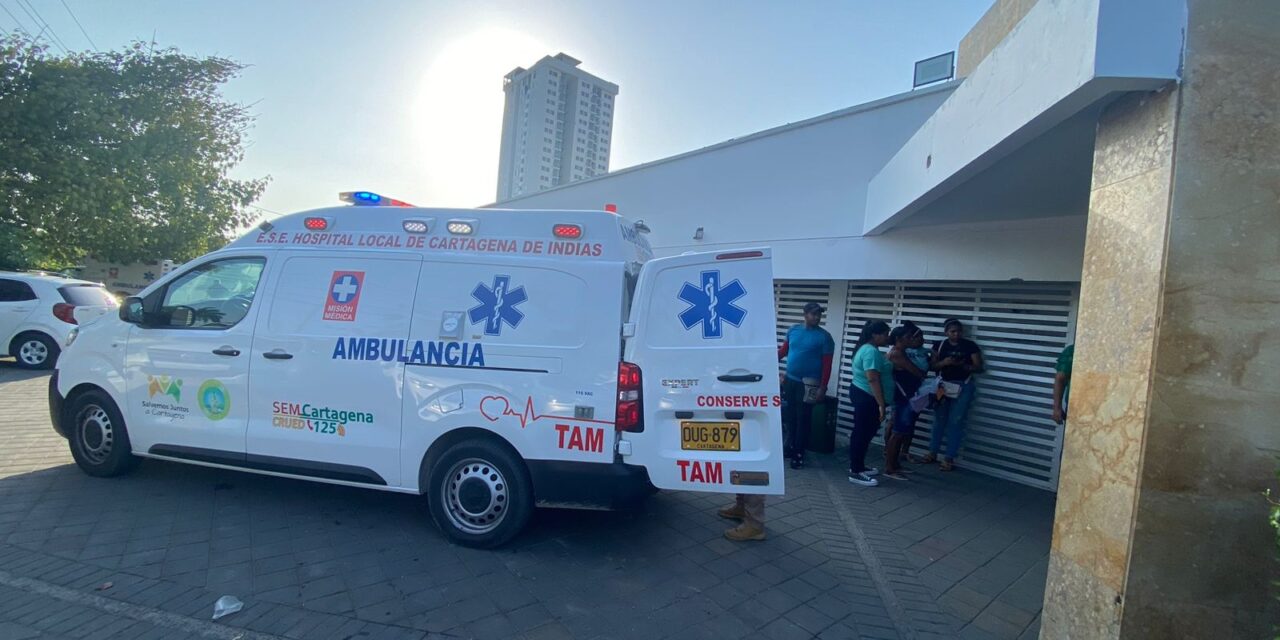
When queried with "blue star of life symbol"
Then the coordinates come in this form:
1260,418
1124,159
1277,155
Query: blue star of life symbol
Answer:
712,304
148,276
345,288
497,305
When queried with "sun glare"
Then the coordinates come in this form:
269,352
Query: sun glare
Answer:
458,114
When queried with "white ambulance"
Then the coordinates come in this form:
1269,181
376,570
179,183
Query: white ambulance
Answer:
488,359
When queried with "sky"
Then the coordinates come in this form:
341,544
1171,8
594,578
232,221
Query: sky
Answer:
404,98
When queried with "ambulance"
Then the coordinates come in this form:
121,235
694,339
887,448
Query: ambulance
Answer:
490,360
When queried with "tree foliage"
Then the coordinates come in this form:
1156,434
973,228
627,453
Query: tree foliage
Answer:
122,155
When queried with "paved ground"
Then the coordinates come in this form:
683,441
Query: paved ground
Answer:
946,555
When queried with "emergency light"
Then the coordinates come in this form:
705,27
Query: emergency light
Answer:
316,224
412,225
370,199
569,231
461,227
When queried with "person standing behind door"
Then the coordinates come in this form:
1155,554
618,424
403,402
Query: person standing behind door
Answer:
1062,383
956,359
870,395
809,350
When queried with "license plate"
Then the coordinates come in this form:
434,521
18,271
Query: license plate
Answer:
710,436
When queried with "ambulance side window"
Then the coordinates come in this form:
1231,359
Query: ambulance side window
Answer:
629,279
213,295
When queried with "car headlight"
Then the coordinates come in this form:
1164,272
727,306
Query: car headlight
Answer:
71,336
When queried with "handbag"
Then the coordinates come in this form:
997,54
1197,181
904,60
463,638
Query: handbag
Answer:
924,395
811,386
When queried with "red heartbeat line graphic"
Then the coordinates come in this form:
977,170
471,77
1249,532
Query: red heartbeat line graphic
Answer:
493,412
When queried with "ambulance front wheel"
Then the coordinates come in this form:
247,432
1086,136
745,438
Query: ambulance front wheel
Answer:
480,493
99,442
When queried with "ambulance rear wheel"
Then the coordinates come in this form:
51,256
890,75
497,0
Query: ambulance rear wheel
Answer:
480,493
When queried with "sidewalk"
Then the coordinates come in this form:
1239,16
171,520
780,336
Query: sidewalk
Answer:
945,555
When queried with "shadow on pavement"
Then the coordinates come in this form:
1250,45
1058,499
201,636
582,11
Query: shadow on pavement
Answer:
9,371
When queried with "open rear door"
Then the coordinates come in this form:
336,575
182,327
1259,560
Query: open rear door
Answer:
703,335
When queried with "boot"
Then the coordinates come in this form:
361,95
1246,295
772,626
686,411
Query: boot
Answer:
745,532
733,512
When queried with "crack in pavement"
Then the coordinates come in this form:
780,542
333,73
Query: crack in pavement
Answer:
875,571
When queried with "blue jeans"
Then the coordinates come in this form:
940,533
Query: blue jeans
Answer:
904,419
796,418
949,418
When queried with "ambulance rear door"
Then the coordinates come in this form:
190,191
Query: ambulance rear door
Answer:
702,333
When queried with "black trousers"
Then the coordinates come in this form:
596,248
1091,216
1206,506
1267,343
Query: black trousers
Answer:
866,423
798,418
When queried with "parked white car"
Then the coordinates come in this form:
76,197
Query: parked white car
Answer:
38,312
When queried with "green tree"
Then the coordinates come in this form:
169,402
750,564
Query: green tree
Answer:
122,155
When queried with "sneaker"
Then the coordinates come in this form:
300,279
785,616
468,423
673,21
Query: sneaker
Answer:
871,472
896,475
863,479
733,512
745,532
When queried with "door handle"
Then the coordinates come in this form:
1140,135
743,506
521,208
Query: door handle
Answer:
277,354
226,351
740,377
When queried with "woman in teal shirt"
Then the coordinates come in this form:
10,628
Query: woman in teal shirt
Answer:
871,395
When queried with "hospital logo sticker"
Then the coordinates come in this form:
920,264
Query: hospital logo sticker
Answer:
214,400
342,298
711,304
497,305
315,418
164,399
166,386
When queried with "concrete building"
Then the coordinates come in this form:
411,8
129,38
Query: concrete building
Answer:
1102,172
557,126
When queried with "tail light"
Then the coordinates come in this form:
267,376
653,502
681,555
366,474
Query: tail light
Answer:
630,410
65,312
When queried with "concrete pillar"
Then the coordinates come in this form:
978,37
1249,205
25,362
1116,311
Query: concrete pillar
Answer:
1174,421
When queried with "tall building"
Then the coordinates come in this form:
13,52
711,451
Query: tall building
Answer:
556,126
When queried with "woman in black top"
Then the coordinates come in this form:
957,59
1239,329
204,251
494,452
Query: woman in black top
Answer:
955,359
910,367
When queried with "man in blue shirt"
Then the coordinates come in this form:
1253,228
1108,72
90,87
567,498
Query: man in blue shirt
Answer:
809,351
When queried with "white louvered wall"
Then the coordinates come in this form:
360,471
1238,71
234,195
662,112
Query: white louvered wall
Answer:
1021,328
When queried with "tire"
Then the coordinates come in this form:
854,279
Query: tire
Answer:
97,435
479,493
34,351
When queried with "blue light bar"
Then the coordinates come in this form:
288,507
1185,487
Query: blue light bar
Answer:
360,198
370,199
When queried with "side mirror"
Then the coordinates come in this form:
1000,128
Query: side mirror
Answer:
182,316
131,310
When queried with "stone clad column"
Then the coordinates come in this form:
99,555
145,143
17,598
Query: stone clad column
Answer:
1175,405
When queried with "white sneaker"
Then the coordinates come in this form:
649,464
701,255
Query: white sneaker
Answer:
863,479
871,472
